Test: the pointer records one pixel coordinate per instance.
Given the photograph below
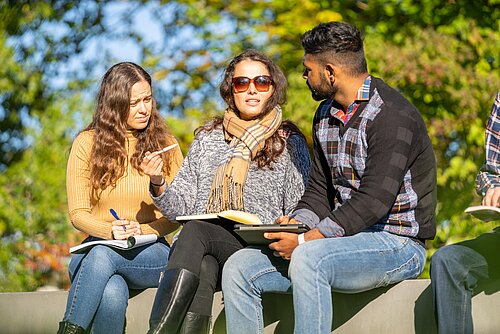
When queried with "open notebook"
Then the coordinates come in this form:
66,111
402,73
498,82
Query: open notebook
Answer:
484,212
227,218
131,243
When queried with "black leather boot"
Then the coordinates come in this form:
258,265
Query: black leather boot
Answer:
69,328
195,323
172,300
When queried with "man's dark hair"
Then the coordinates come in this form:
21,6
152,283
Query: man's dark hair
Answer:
338,43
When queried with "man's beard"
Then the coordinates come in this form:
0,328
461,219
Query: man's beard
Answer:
324,90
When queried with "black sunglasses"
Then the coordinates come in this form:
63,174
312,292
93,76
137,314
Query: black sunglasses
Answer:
261,83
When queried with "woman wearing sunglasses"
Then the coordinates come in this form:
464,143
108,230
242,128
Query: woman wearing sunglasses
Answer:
247,160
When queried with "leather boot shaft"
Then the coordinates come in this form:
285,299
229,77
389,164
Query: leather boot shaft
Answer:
195,323
66,327
173,298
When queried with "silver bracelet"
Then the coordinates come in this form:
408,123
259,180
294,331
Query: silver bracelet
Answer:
301,238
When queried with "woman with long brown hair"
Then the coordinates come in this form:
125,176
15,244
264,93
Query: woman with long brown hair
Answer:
104,173
247,160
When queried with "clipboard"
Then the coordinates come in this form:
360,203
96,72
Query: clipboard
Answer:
254,234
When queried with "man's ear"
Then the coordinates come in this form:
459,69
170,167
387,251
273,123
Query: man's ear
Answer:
330,72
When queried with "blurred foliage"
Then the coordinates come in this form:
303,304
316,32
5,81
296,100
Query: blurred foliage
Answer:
442,55
36,53
33,212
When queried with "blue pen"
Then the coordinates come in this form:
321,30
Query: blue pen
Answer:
114,214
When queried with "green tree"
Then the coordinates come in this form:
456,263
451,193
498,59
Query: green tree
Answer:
35,125
33,220
36,38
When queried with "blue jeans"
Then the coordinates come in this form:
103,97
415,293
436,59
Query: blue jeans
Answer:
348,264
101,280
455,272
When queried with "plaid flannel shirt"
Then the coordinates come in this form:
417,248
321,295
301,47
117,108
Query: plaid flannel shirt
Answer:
489,174
375,169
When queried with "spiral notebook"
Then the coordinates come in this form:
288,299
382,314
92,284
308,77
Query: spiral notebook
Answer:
131,243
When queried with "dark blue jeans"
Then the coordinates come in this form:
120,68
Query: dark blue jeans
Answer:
101,280
455,272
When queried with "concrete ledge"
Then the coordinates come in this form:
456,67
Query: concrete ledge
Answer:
402,308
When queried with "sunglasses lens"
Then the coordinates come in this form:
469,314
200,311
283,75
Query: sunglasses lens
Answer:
262,83
241,84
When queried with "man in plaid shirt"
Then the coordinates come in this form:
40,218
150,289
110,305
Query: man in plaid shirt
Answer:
456,269
370,200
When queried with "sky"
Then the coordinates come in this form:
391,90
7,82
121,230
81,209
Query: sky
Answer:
121,49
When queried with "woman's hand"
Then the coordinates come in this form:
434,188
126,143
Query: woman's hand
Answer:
120,229
135,228
152,165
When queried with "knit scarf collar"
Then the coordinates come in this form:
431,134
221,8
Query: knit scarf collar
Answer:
246,138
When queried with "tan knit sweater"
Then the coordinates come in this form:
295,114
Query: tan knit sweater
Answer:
130,199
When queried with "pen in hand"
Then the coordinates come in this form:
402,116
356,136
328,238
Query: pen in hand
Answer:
163,150
166,149
114,214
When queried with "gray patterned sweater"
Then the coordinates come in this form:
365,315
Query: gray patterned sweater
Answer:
268,192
